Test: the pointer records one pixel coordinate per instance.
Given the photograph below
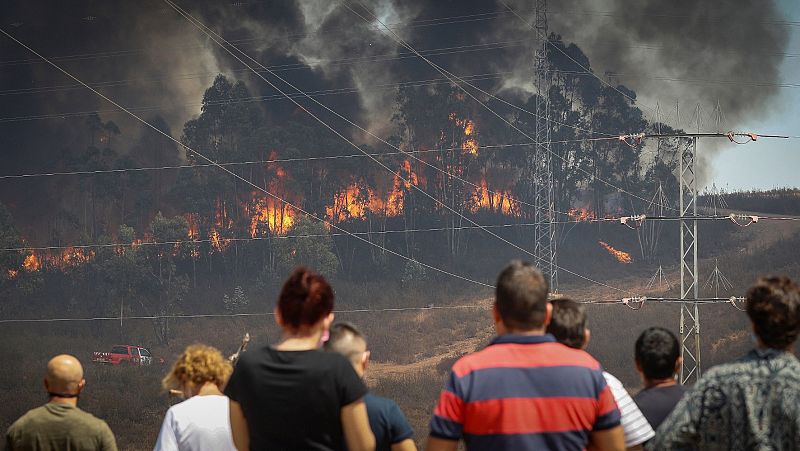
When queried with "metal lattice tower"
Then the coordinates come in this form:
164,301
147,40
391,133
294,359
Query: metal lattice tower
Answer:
543,193
690,315
717,280
659,280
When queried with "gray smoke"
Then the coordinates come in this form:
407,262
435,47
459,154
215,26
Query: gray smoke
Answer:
700,45
166,63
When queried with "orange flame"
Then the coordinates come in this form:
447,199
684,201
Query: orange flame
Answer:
277,216
193,231
12,273
32,263
350,204
497,201
581,214
217,242
355,201
470,145
74,257
622,257
69,257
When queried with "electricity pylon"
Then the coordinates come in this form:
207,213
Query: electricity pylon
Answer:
690,315
544,196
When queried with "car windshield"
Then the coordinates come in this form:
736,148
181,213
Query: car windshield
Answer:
144,352
119,350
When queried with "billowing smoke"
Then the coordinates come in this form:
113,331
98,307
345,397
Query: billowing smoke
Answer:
685,51
149,58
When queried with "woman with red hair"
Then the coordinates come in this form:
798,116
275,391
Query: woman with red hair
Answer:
292,395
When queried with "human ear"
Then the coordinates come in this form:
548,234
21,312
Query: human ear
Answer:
548,315
365,359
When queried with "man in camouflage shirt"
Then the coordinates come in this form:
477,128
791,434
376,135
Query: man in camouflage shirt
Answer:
754,402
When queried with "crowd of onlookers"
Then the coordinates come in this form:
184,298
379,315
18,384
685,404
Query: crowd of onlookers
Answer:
533,387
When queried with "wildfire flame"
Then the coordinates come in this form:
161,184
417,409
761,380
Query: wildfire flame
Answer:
350,203
12,273
355,200
75,257
69,257
470,145
265,210
622,257
581,214
497,201
217,242
194,230
193,233
32,263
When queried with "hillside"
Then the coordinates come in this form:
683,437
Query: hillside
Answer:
413,349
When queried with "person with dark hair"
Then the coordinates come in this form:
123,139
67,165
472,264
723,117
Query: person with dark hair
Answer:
60,425
391,429
525,391
568,326
754,402
658,359
292,395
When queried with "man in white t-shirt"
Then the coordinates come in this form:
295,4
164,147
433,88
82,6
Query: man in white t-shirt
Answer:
568,326
201,422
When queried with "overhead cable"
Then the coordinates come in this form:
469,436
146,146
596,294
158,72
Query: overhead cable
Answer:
216,38
283,160
274,196
742,220
455,80
634,303
235,315
419,23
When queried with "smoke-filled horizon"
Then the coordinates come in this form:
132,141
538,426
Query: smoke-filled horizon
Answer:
155,58
149,58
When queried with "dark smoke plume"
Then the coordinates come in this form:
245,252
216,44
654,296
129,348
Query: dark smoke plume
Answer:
146,56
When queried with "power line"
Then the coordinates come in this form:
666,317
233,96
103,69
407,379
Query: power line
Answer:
264,98
234,315
373,135
114,53
278,198
753,83
392,57
324,92
446,20
453,79
276,68
634,303
211,34
547,39
277,160
267,238
632,222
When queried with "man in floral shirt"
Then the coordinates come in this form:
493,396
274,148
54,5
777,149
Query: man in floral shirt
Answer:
754,402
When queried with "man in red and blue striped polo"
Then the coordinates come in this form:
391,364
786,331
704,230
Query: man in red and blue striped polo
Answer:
525,391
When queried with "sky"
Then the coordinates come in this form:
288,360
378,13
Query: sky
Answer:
768,163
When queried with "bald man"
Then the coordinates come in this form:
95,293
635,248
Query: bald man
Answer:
60,424
391,429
